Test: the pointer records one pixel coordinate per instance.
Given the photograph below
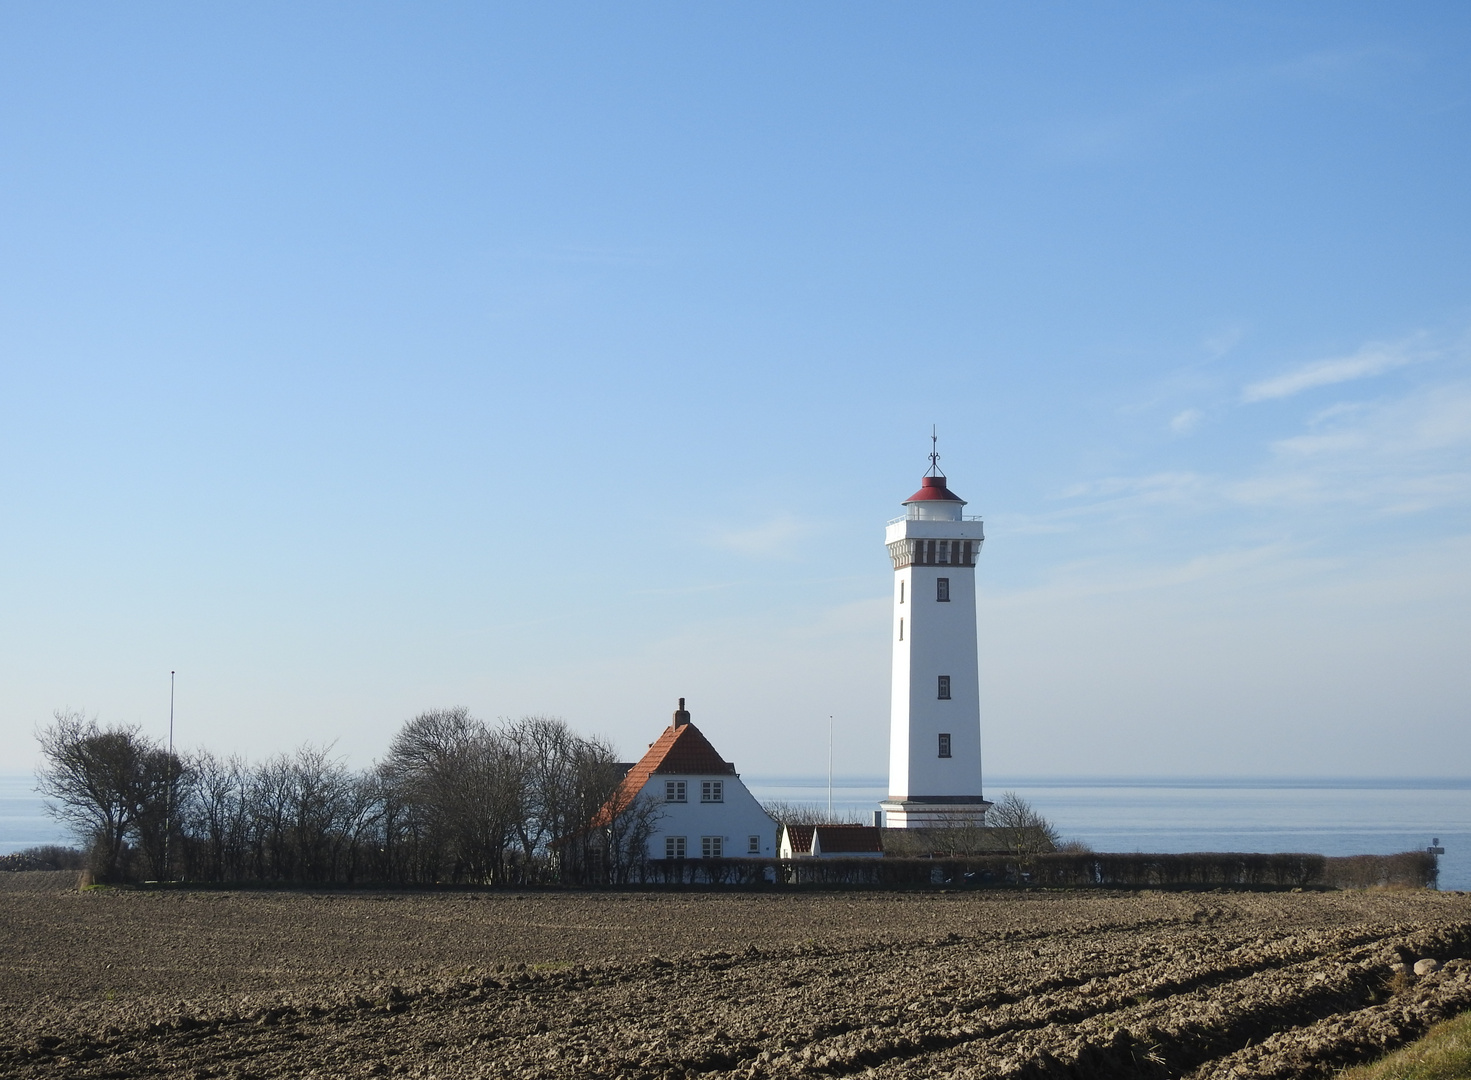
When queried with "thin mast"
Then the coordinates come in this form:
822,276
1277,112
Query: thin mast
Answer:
168,795
829,767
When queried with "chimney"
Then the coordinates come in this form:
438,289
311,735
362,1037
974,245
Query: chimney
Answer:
681,715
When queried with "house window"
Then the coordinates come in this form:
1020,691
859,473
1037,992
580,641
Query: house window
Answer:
674,847
712,847
674,790
753,845
712,791
942,590
944,687
944,744
901,629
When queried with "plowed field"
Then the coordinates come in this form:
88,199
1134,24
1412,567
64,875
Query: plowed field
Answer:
135,984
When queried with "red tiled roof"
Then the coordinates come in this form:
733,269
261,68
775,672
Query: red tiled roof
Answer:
849,839
680,750
684,750
801,838
932,488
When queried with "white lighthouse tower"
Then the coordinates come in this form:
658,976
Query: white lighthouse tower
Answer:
935,711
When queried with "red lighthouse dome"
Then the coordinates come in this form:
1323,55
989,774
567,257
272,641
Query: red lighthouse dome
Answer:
933,489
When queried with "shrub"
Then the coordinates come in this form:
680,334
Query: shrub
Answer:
45,857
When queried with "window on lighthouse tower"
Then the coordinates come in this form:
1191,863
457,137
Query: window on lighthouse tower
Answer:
942,590
944,687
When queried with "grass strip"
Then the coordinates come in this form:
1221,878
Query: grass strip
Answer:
1443,1054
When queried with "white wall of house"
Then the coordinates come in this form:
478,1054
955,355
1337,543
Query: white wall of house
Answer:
730,815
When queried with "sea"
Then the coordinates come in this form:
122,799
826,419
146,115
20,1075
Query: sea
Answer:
1328,817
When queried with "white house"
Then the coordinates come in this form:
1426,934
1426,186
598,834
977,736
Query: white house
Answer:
703,809
935,710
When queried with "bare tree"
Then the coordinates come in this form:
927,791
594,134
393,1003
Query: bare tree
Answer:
103,783
424,772
454,800
569,779
1019,828
627,836
954,833
457,795
804,813
490,805
215,815
595,778
548,749
321,806
269,798
363,846
160,781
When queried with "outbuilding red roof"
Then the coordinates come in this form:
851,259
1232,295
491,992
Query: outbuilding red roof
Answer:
933,489
849,839
681,749
800,837
835,839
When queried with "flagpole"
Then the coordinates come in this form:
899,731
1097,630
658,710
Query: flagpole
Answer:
168,795
829,767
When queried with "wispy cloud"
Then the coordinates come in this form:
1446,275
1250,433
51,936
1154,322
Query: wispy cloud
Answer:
1186,422
1328,71
1220,344
1430,420
1164,487
1198,378
772,538
1372,359
1392,456
1268,563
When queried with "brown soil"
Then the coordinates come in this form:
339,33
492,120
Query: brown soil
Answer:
133,984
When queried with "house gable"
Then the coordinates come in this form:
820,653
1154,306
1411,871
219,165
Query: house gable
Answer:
796,841
700,805
681,749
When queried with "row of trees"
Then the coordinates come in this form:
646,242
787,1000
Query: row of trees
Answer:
455,800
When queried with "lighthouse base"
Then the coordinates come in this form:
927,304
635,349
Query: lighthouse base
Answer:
936,812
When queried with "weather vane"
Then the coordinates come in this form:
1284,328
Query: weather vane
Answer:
934,451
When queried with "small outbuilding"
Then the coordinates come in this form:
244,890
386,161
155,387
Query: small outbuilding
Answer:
831,841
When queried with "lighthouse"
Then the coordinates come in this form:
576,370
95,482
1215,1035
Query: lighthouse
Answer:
935,707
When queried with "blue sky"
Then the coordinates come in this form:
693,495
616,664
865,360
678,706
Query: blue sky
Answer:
361,359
